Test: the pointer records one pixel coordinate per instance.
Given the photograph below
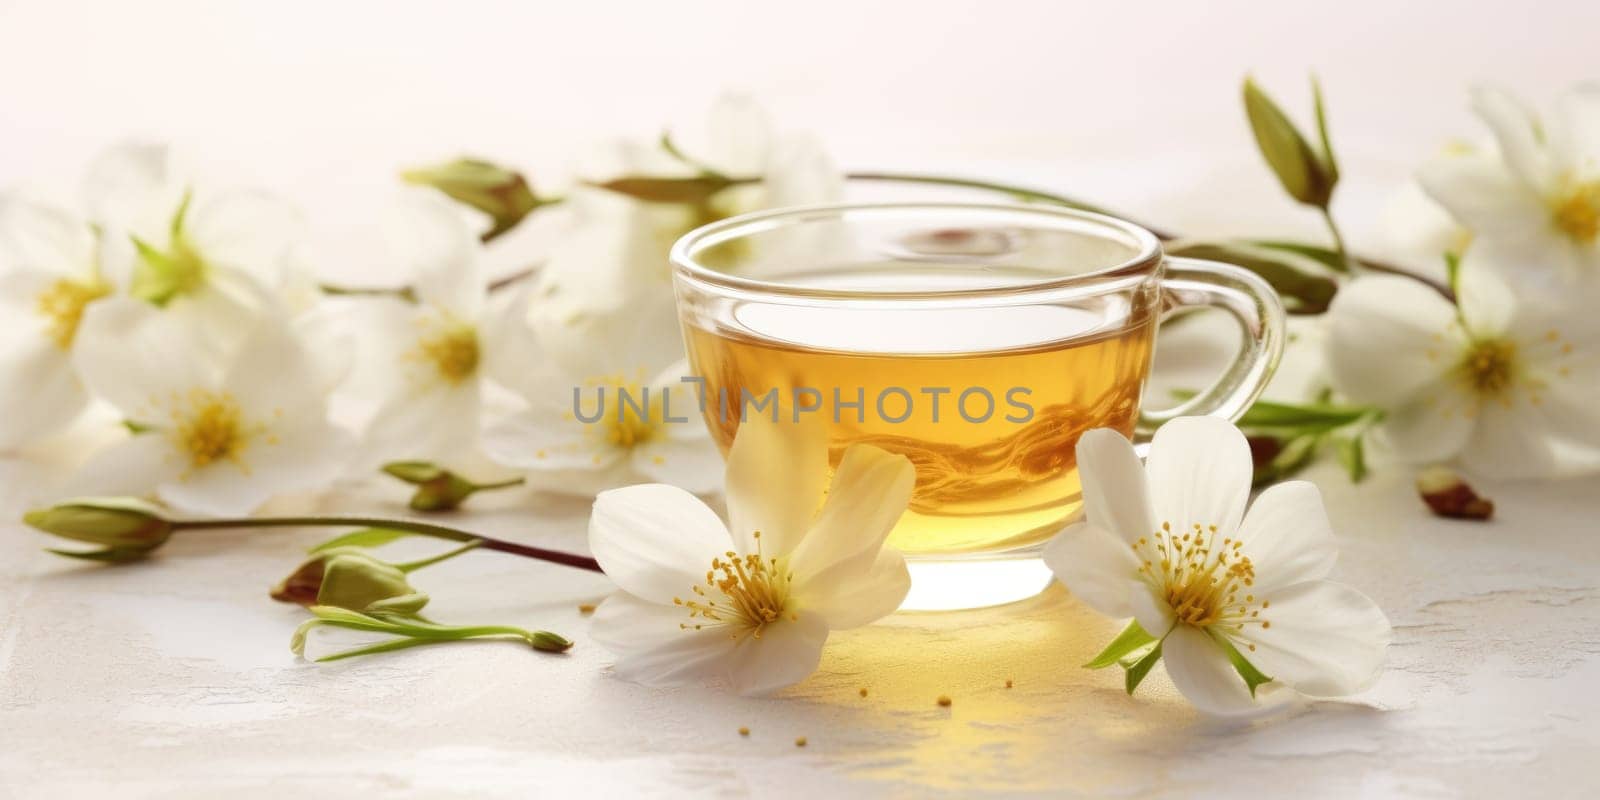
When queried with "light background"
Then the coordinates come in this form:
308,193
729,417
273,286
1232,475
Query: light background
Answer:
1133,104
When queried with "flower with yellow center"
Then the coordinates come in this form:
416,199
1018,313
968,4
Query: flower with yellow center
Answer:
1225,599
1504,385
607,406
62,305
215,433
750,604
50,264
1535,194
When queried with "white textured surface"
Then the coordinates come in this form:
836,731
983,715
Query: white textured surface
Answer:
173,678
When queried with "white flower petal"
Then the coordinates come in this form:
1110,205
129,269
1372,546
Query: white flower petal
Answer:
131,468
137,357
1326,639
694,464
274,374
869,493
655,541
1516,131
433,423
1287,536
1097,566
787,652
1116,496
1483,196
739,135
247,231
1152,610
1199,471
1510,441
53,396
544,440
782,509
802,173
848,598
1485,298
132,185
1574,132
289,456
1388,337
439,247
1201,671
1434,426
45,238
650,646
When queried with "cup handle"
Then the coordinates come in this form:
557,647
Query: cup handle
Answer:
1190,283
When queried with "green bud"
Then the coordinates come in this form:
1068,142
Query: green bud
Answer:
128,529
348,578
1308,176
438,489
161,275
501,193
549,642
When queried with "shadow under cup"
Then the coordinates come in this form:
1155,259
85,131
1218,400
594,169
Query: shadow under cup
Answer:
978,340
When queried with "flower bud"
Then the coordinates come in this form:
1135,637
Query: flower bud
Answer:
438,489
1449,496
127,528
499,192
348,578
1307,176
549,642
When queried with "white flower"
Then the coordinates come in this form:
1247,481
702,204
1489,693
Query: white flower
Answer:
1501,385
751,603
617,234
1538,191
183,248
429,360
605,406
1169,544
214,433
1420,233
49,275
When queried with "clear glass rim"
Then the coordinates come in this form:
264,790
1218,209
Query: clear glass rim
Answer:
683,255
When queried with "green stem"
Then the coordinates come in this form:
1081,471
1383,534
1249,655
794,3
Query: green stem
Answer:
505,484
1338,238
412,566
381,647
407,525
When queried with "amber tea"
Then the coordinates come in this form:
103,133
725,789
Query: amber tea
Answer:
991,431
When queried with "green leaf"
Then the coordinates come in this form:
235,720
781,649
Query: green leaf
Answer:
1325,256
1132,638
1329,163
414,471
688,191
1302,292
1252,677
1308,417
108,555
366,537
1352,456
1139,669
1301,171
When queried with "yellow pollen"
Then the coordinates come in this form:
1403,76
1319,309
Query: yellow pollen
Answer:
453,352
754,594
209,428
1200,577
62,307
1577,213
636,420
743,731
1489,367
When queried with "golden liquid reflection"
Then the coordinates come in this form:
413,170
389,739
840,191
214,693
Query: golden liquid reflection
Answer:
1023,737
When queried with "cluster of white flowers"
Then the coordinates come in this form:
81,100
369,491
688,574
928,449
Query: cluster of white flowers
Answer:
1501,378
192,315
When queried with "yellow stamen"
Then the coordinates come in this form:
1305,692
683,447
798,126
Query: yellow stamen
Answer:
62,306
1576,213
210,428
452,351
